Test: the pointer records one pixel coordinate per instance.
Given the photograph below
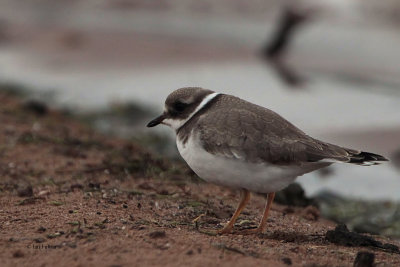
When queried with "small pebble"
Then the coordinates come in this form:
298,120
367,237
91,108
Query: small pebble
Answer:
287,261
364,259
41,229
157,234
39,240
18,254
25,191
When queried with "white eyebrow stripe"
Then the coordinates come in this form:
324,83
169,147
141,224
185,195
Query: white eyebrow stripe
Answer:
204,102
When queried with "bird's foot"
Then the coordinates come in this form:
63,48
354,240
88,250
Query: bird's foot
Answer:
251,231
226,230
213,232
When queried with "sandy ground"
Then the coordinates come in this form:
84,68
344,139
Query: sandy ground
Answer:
70,196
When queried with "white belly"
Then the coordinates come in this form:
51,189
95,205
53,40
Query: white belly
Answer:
236,173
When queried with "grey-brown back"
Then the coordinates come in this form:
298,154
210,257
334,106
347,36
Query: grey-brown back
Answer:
231,127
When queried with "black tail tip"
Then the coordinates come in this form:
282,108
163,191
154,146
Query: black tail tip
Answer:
372,157
363,157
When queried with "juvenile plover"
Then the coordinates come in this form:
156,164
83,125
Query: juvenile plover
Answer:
231,142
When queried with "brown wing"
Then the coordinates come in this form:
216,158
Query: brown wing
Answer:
257,134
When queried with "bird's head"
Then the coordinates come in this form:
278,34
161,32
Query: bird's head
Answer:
181,105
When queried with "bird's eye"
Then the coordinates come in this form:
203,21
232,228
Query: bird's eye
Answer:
179,106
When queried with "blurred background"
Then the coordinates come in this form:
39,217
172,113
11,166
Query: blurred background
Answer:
330,67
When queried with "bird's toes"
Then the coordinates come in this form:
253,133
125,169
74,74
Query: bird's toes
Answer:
225,230
251,231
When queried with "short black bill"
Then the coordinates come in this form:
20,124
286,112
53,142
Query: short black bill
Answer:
156,121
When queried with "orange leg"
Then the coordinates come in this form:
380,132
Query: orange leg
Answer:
245,197
263,221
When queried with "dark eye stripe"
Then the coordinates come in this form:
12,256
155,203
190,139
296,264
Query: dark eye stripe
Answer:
179,106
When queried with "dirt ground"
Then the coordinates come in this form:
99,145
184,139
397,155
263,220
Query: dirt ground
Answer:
71,197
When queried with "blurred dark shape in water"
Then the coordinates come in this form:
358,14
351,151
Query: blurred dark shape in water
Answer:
287,73
72,40
4,34
289,22
277,47
395,159
138,4
374,217
37,107
386,11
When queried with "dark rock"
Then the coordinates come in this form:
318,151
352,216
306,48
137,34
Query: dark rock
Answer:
157,234
287,261
342,236
94,186
391,247
364,259
39,240
41,229
293,195
18,254
111,201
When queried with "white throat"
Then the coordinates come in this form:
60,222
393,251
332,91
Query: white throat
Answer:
178,123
